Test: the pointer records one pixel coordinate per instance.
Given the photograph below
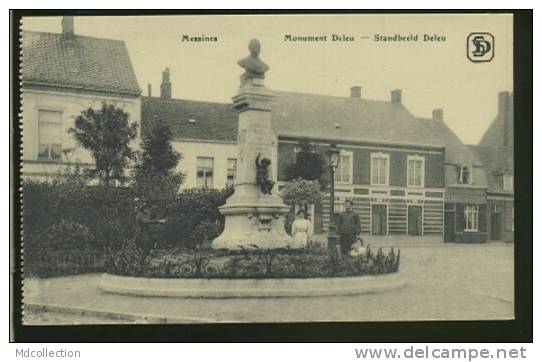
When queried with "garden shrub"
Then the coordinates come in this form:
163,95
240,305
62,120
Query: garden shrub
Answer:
259,263
193,218
108,212
66,235
52,263
124,261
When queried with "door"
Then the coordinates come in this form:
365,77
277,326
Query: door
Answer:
414,220
379,219
496,223
449,227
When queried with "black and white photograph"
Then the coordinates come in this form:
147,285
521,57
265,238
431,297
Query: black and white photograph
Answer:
189,169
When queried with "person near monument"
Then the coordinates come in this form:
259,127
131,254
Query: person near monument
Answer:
301,228
143,238
348,227
357,248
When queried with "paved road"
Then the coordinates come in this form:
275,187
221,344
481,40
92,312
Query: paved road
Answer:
454,282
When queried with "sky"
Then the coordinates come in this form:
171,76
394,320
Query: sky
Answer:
430,74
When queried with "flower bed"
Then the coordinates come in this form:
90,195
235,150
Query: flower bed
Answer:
251,263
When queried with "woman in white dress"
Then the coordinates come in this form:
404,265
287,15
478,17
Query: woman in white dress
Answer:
301,229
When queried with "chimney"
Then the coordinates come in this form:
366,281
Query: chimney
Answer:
355,92
165,87
149,89
438,115
67,27
396,96
506,111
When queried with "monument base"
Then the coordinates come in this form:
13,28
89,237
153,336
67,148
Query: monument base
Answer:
251,225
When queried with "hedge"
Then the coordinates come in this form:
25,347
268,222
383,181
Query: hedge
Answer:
104,216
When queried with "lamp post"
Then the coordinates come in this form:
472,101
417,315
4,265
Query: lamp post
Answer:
334,159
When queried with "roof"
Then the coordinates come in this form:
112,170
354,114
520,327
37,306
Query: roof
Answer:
80,63
314,115
457,152
210,121
496,163
295,115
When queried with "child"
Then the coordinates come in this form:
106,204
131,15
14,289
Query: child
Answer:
357,248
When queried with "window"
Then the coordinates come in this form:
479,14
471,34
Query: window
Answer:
232,168
416,171
343,174
50,135
205,172
508,182
471,217
465,175
379,168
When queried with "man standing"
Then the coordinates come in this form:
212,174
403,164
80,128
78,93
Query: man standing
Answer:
143,239
348,227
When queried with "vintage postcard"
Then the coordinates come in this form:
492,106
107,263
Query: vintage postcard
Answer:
181,169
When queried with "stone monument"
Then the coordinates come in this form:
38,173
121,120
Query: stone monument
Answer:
254,213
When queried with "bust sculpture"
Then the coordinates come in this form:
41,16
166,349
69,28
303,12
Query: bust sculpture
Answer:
253,65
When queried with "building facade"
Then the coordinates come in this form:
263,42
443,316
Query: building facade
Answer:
62,75
465,200
205,134
496,151
390,166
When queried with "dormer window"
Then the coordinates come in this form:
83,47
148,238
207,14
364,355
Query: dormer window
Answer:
508,182
465,175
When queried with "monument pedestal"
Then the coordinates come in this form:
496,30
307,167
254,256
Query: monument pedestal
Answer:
254,219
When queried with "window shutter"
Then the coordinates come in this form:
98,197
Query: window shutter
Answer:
482,218
460,217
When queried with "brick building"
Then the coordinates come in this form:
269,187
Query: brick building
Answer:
496,150
465,199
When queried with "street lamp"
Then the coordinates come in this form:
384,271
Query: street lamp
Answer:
334,159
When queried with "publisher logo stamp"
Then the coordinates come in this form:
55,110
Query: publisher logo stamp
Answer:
480,47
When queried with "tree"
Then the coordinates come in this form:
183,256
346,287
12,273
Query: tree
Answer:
301,193
308,165
155,172
158,156
106,133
